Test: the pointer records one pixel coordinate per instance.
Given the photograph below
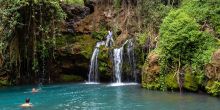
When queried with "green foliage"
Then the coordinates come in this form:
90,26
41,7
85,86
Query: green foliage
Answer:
162,82
213,88
66,39
204,11
152,12
155,85
100,35
142,38
182,41
189,82
29,31
171,82
117,4
74,2
199,77
104,62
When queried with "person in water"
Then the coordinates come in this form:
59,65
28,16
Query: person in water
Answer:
35,90
109,39
27,104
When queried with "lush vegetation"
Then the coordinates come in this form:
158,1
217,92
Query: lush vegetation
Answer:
74,2
175,39
29,29
188,37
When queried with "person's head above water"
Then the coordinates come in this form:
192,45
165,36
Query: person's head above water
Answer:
27,100
34,90
27,104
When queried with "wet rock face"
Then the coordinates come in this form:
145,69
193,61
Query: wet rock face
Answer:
72,59
74,14
90,4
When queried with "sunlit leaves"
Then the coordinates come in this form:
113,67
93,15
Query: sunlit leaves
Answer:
181,40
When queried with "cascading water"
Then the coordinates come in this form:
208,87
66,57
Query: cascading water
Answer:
109,40
131,59
93,70
118,61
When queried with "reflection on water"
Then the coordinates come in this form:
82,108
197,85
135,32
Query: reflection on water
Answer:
103,97
118,96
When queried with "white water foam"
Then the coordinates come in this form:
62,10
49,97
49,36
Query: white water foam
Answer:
91,83
122,84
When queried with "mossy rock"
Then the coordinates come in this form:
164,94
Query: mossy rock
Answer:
86,45
65,39
105,64
213,88
82,45
171,82
151,72
4,82
70,78
189,82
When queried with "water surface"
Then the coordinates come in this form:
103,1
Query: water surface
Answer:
103,97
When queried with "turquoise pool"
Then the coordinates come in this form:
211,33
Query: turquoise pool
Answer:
103,97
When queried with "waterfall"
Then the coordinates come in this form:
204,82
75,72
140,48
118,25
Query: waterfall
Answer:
118,61
131,59
93,70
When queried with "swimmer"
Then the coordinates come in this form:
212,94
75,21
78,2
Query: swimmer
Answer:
27,104
35,90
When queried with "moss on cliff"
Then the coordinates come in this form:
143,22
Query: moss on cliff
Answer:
4,82
150,72
86,45
105,64
70,78
82,44
171,82
213,88
190,82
